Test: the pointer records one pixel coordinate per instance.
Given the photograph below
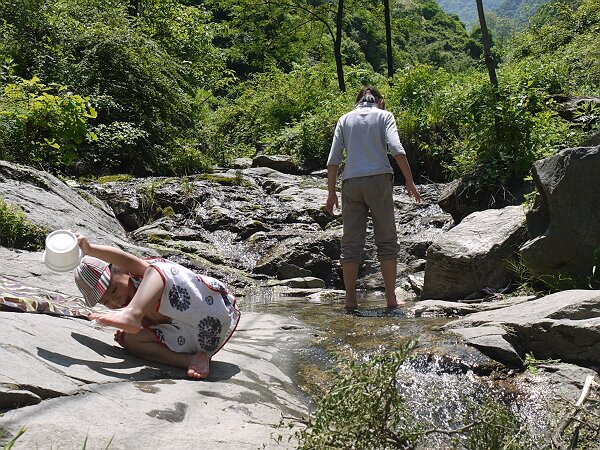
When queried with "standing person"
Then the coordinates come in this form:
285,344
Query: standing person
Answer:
166,313
367,132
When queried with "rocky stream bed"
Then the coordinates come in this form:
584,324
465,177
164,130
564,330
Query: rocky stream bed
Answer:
266,234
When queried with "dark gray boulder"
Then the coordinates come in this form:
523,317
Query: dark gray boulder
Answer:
280,163
462,196
564,225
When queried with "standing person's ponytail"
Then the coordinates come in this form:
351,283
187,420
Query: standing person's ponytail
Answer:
369,94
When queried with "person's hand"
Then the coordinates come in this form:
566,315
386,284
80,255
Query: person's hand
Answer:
332,200
83,242
412,191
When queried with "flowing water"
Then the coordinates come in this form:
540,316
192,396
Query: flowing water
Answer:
441,382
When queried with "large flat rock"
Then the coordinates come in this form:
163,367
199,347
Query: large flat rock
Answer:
564,325
68,383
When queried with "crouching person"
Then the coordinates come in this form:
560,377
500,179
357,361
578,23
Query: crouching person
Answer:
166,313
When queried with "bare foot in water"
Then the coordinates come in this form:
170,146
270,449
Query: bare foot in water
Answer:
123,320
199,366
351,305
394,303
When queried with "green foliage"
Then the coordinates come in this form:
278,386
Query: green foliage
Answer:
363,409
146,80
309,139
149,207
169,211
424,34
117,146
530,363
564,35
543,284
169,100
269,103
186,33
520,128
42,125
497,427
10,444
457,119
588,114
18,232
187,158
257,36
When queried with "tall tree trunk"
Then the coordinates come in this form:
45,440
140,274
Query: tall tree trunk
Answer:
491,66
133,8
485,37
388,39
337,45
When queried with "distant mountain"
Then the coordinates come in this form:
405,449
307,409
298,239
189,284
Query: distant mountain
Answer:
516,10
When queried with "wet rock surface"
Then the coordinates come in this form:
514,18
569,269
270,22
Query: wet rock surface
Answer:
250,226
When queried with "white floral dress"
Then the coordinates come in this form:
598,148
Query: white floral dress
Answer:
203,311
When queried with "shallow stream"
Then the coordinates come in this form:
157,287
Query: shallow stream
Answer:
442,379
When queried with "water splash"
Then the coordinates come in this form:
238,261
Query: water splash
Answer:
233,250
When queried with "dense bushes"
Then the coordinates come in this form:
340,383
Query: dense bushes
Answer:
42,125
145,81
177,87
565,36
276,111
16,231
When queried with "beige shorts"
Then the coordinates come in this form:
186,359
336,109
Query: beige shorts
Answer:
361,196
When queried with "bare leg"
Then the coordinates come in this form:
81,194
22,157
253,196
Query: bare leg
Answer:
145,300
388,271
350,273
144,345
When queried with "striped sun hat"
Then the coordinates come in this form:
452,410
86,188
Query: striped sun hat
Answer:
92,277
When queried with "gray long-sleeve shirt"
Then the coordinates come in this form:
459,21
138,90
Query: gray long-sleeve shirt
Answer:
366,133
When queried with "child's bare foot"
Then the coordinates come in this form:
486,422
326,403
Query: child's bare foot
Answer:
123,320
199,366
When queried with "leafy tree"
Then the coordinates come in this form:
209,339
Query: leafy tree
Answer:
43,125
388,38
146,78
256,36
